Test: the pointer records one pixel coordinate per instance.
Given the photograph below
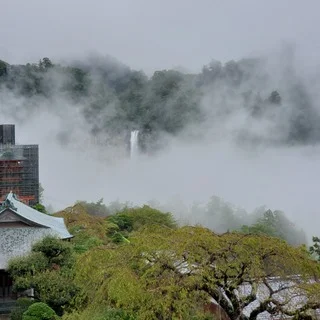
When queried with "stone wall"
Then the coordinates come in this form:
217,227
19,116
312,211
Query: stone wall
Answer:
16,242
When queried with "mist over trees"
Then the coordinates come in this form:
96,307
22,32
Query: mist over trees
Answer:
256,101
221,216
263,105
217,214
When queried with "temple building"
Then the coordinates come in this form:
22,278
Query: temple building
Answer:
20,227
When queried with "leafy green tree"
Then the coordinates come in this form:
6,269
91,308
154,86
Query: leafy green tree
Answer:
259,228
134,219
283,227
131,219
55,288
168,273
48,270
23,268
56,251
275,224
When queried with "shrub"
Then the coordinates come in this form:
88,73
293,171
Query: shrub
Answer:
55,250
22,305
39,311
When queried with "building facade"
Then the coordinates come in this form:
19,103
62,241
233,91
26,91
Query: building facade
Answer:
19,167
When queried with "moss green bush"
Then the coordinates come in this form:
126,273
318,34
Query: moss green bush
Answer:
39,311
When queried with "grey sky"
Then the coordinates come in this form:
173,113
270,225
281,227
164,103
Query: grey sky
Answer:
152,34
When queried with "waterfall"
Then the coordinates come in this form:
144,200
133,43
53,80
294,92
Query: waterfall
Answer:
134,146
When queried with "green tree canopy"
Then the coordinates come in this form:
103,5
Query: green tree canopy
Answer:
173,273
47,269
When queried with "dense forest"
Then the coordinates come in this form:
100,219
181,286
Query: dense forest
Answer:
262,104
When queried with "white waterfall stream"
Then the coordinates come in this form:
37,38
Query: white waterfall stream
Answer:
134,144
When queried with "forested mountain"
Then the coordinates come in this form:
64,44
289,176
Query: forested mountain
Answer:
258,104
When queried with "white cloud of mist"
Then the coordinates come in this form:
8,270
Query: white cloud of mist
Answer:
281,177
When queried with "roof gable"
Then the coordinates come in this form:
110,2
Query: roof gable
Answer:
10,216
34,217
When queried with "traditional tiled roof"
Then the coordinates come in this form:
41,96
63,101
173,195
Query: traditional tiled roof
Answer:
25,212
17,241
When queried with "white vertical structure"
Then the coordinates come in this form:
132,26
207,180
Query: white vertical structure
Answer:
134,144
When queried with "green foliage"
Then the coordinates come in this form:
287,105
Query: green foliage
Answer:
95,208
280,226
80,221
21,306
259,228
100,313
28,265
134,219
166,273
55,288
40,207
56,251
222,217
114,314
117,237
123,221
83,240
131,219
39,311
47,269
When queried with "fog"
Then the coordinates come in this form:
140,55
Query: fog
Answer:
201,161
284,178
